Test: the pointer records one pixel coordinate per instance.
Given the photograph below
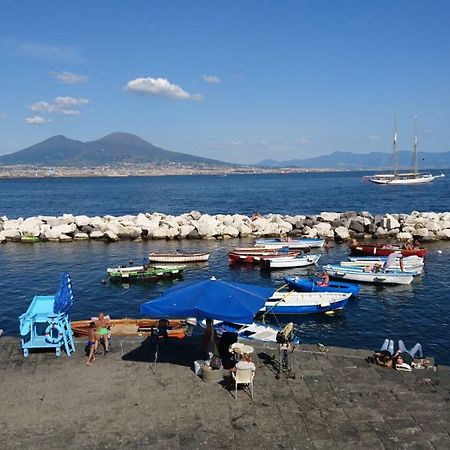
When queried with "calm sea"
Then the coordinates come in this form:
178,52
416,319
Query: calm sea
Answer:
419,312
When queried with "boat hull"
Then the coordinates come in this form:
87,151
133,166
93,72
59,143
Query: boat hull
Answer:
305,302
311,285
138,273
290,243
383,250
360,276
254,258
290,262
133,327
178,258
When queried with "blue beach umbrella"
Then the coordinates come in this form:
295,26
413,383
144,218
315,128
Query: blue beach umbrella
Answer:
209,299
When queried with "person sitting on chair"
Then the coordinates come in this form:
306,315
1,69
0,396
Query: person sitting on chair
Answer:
244,363
103,327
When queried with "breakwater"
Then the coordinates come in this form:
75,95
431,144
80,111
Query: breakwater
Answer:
338,226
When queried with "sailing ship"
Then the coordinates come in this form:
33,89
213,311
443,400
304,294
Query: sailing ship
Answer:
400,178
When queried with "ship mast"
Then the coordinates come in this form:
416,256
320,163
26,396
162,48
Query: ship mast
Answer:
415,147
395,163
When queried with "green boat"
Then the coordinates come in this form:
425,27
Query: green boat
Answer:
143,273
29,239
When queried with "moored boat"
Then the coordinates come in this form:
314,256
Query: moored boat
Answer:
290,243
255,331
409,263
179,257
135,327
366,276
289,261
305,302
255,258
372,249
143,273
314,284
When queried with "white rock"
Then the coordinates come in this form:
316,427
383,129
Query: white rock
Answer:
421,233
30,227
443,234
53,221
11,234
196,215
2,237
381,232
323,228
329,216
390,222
64,229
96,234
12,224
185,230
65,238
404,236
81,221
432,226
206,226
111,236
230,231
80,236
128,232
244,229
342,233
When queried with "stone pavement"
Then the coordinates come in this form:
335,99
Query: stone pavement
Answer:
337,400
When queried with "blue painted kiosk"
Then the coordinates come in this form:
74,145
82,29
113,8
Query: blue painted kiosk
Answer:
46,322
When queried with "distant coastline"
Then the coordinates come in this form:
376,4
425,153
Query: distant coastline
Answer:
136,170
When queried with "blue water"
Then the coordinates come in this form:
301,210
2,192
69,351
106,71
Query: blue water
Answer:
419,312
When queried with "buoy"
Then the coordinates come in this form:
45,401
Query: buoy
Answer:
103,281
439,252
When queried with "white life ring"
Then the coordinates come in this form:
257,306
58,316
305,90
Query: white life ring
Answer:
50,332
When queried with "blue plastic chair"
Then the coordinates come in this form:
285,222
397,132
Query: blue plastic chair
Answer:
46,322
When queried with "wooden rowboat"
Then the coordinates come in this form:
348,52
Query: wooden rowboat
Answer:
384,250
133,327
179,257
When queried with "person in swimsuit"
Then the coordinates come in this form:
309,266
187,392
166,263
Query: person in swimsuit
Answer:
92,343
103,326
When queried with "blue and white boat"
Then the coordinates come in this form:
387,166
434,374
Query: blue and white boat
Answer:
255,331
313,284
398,263
305,302
290,243
365,275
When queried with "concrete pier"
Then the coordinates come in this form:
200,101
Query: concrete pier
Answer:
337,400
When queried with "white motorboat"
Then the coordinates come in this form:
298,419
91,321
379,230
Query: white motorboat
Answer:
290,262
290,243
305,302
364,275
409,264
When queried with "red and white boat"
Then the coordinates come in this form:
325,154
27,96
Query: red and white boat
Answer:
256,257
371,249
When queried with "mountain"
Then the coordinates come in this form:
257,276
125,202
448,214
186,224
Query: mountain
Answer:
366,161
113,149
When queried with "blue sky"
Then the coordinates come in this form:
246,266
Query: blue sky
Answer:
238,81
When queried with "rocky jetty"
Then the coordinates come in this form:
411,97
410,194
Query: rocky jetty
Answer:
424,226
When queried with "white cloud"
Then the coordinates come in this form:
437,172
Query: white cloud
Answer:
159,87
302,141
69,77
60,105
70,101
37,120
211,79
41,107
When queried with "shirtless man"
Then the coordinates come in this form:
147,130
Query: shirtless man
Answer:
103,325
92,343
